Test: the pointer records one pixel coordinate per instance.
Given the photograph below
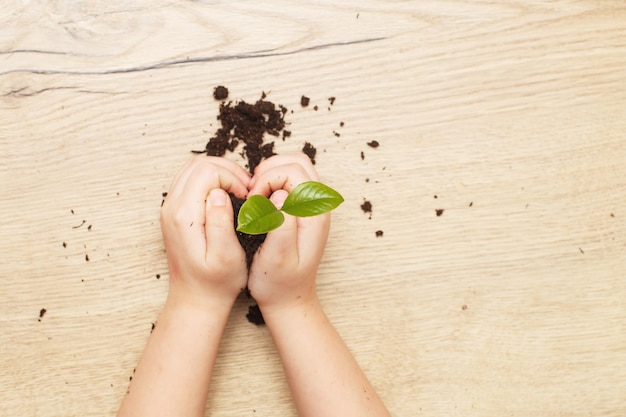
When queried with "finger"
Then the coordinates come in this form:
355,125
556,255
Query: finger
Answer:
287,159
206,176
220,228
235,168
179,177
312,237
182,177
200,183
282,243
281,177
189,208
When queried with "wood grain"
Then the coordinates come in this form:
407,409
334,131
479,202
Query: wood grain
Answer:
510,113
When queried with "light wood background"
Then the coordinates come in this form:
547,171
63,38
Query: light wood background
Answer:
513,113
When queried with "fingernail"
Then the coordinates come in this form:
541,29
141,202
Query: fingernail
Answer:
278,198
217,198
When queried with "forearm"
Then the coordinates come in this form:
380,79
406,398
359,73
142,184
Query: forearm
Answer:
174,372
323,376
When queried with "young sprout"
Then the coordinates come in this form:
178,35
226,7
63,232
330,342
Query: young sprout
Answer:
258,214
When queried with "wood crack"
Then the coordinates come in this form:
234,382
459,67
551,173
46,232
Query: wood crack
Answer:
186,61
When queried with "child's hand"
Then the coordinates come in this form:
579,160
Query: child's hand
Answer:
206,262
283,270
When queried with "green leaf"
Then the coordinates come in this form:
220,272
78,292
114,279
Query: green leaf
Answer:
310,199
258,215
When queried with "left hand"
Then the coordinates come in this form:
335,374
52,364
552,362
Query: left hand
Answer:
206,262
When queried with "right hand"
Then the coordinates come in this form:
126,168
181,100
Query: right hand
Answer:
283,270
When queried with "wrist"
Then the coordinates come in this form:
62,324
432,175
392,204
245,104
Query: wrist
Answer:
190,305
299,307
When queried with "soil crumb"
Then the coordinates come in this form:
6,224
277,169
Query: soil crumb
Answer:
304,101
366,206
254,315
220,93
373,144
310,151
379,233
439,212
42,313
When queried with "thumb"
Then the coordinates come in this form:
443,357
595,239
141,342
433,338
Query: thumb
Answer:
283,241
219,224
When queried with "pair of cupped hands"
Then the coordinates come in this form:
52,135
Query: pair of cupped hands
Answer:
206,262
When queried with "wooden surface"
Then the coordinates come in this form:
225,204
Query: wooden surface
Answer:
511,303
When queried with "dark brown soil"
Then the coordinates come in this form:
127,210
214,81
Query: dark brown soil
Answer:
255,316
373,144
220,93
247,123
42,313
366,207
439,212
249,243
310,151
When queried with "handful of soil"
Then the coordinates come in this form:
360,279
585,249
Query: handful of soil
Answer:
248,124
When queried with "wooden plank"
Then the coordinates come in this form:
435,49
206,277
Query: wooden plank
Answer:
511,114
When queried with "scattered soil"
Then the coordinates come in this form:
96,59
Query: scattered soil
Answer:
366,206
247,123
373,144
379,233
42,313
310,151
304,101
254,315
439,212
220,93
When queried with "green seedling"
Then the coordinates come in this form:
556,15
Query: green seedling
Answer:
258,214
